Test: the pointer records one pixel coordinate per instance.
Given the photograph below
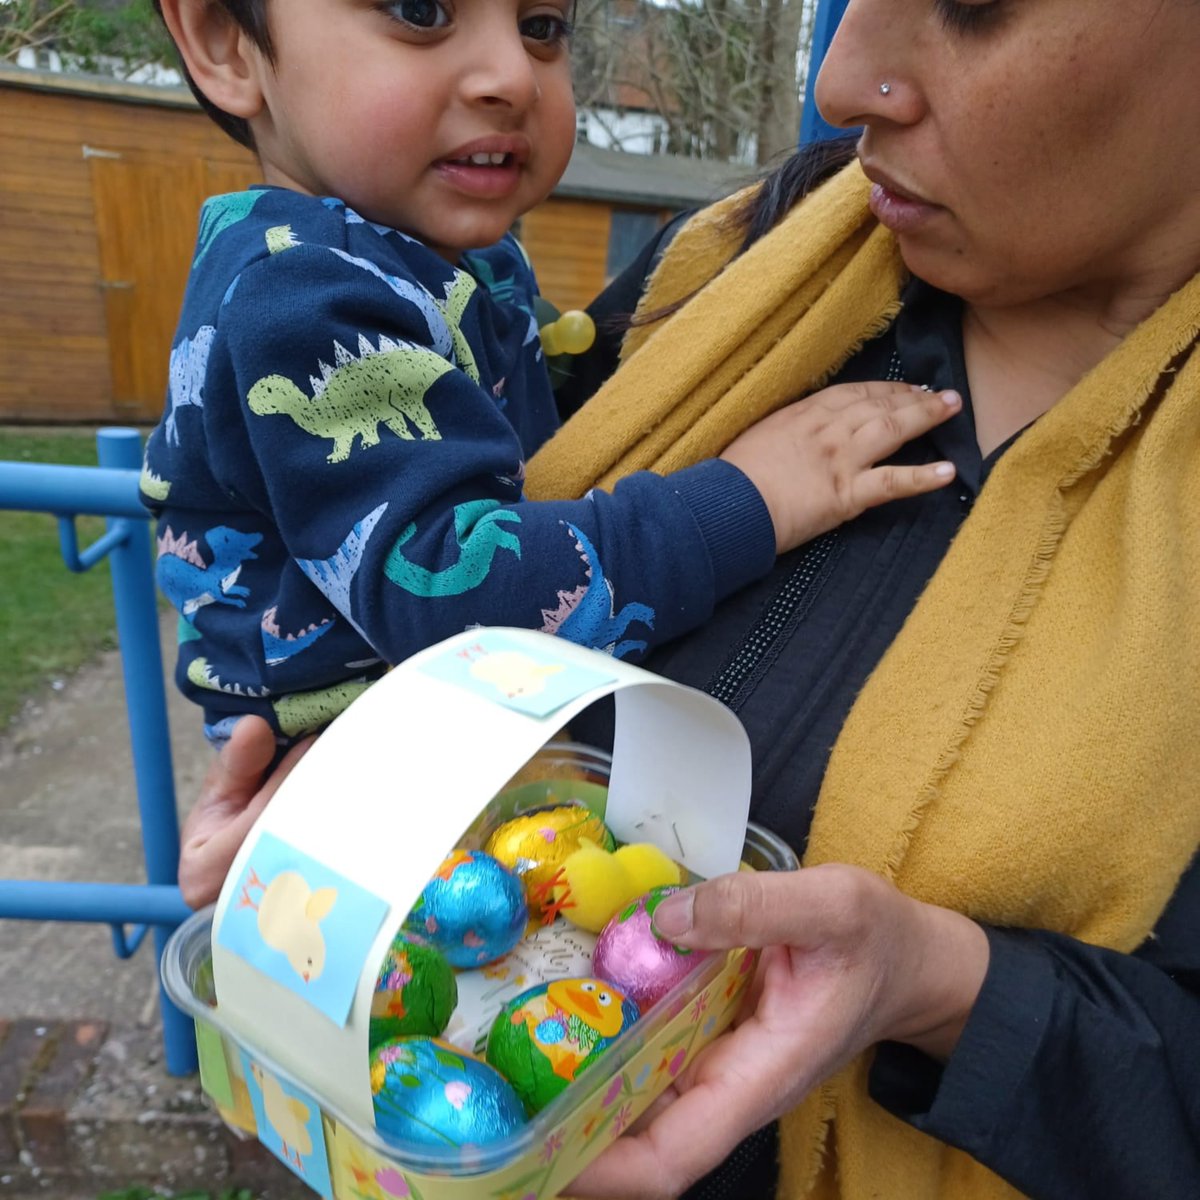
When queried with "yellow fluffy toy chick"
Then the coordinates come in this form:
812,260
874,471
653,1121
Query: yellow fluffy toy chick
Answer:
594,885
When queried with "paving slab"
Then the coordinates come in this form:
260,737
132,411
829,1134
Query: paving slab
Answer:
86,1105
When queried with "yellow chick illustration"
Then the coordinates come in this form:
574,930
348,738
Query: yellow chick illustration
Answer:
513,673
594,1006
593,885
286,1115
289,916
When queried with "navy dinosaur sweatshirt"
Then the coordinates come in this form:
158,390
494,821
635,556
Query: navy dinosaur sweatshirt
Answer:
337,476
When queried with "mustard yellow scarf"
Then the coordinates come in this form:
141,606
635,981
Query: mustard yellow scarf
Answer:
1025,752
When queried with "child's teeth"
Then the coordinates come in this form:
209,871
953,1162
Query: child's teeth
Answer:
484,159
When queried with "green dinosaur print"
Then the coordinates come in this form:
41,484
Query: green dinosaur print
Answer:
352,399
477,528
458,294
219,213
154,486
304,712
280,237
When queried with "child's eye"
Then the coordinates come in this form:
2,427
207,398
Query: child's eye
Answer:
547,28
421,14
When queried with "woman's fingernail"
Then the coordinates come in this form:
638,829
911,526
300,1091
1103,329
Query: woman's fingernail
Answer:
673,917
951,399
944,470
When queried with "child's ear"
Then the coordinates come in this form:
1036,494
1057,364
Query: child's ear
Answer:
220,55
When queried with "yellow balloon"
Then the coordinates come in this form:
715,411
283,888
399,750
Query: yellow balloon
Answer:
550,342
576,331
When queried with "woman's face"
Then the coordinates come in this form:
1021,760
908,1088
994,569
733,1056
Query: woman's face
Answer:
1028,148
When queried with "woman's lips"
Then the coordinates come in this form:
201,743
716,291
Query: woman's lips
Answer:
899,212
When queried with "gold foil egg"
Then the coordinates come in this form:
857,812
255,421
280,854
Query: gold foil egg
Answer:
536,844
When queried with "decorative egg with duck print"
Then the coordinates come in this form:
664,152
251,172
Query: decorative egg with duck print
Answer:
632,956
415,992
426,1091
547,1036
473,910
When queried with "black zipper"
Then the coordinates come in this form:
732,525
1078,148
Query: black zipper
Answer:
735,680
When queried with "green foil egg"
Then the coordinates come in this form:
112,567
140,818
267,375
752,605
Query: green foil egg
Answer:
547,1036
415,993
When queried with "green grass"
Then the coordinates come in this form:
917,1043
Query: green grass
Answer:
51,621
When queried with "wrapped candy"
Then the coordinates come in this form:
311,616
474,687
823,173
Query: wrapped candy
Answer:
547,1036
415,992
473,910
536,844
630,955
428,1092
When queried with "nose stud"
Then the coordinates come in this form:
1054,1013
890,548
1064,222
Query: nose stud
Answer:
885,89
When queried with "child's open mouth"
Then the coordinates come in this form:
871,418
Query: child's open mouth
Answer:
486,172
482,160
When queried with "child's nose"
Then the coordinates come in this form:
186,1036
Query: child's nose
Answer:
503,74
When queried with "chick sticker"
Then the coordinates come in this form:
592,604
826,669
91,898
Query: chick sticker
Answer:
303,924
509,674
289,1125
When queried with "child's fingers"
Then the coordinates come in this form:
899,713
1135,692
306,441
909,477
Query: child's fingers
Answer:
886,424
881,484
869,394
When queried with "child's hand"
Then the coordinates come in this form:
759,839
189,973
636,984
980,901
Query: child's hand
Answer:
232,795
814,461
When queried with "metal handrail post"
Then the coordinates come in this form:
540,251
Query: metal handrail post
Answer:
812,127
136,605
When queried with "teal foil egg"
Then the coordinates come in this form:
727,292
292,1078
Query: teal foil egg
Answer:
415,992
547,1036
473,910
427,1091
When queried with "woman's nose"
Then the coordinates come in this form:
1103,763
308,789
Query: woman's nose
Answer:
865,78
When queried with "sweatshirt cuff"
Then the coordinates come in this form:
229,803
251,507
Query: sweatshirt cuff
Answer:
733,520
968,1101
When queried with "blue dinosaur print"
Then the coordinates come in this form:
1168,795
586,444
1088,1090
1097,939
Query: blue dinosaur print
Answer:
586,614
278,647
190,586
219,213
334,575
479,535
188,366
439,331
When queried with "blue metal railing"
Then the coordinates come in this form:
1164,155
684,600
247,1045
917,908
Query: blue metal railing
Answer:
111,491
812,127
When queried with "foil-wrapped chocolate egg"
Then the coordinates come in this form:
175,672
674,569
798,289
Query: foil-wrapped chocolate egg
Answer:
535,844
544,1038
473,910
428,1092
630,955
415,992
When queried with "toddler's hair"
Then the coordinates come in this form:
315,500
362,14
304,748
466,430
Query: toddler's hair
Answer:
250,15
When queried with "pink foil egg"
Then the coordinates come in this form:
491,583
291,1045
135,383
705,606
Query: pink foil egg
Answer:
632,957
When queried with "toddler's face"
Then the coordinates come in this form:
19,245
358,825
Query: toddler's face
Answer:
446,119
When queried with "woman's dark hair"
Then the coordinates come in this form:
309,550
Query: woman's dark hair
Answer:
788,184
250,15
803,171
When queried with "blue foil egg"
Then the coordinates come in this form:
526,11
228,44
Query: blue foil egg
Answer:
429,1092
473,910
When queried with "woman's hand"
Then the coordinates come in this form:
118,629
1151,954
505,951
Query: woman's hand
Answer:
847,961
231,797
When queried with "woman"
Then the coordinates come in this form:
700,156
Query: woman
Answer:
998,945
